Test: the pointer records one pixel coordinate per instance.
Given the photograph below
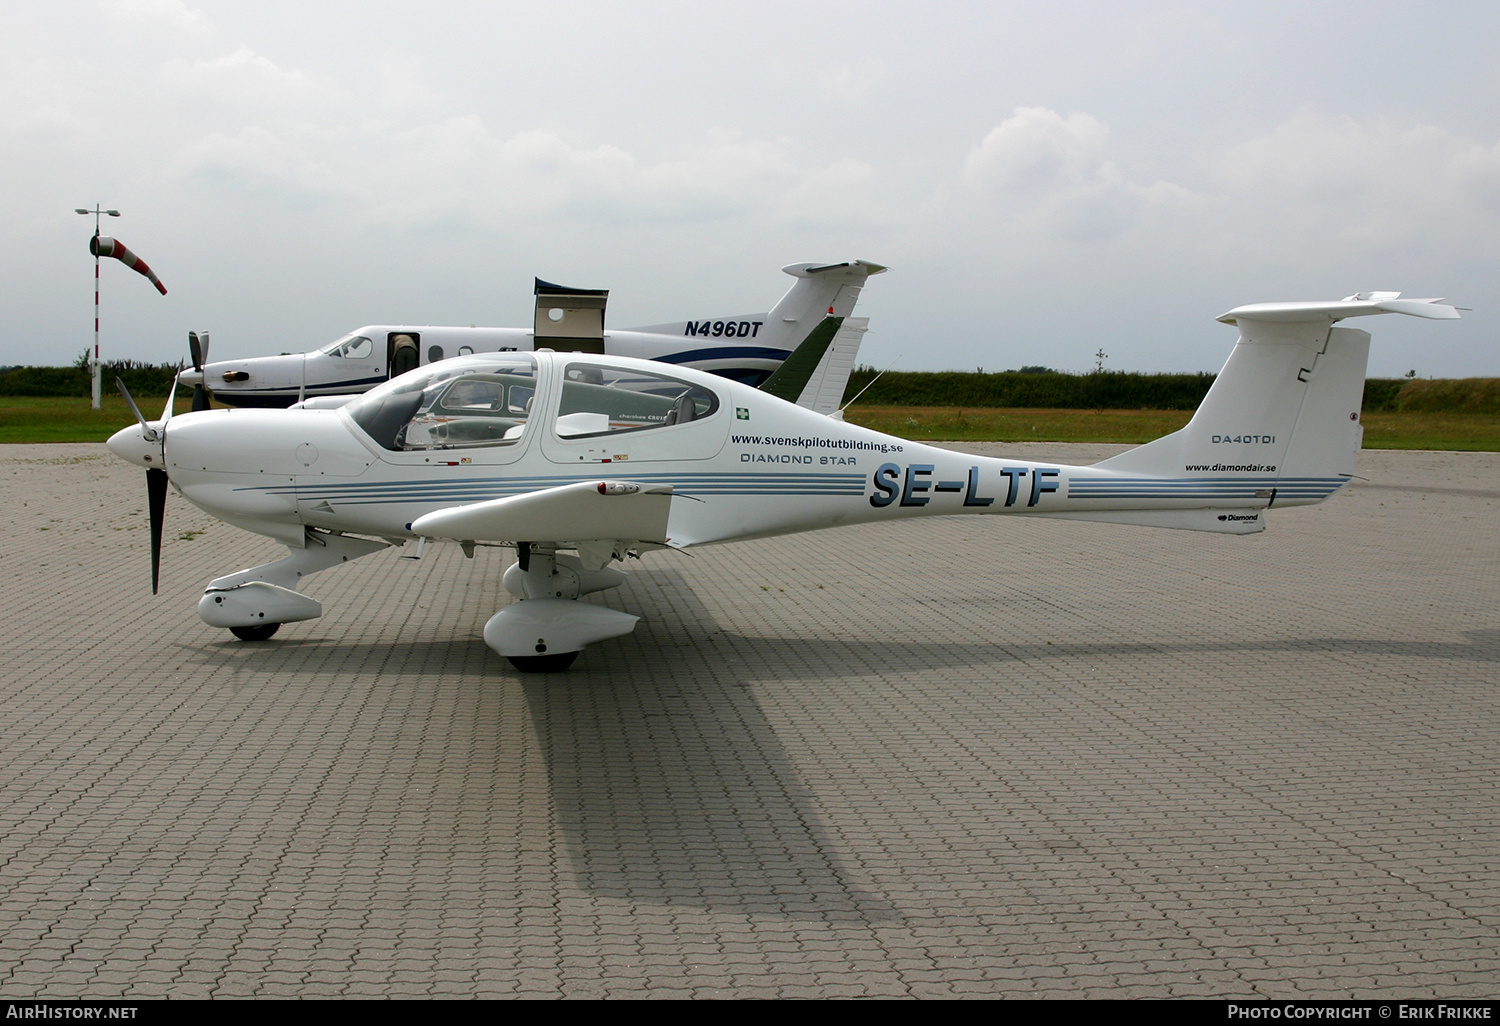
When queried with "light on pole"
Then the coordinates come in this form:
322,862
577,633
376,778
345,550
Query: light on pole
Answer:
97,391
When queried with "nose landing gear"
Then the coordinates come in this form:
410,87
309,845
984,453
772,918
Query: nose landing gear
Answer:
254,603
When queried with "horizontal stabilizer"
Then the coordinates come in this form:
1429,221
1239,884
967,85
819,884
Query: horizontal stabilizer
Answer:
565,515
860,268
1361,304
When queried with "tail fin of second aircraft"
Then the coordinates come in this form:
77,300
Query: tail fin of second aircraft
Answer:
821,291
817,372
813,321
1283,416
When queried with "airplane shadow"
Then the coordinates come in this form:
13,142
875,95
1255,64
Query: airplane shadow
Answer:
669,784
673,788
465,657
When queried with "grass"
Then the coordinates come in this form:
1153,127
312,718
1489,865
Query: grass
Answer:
1406,430
1464,432
948,424
27,419
35,419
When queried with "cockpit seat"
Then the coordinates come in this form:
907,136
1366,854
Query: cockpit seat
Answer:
683,410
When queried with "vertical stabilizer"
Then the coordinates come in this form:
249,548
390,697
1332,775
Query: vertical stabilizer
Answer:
817,372
821,291
1285,410
825,391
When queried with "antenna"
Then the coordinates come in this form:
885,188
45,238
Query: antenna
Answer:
862,391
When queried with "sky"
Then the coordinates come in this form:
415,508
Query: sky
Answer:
1044,180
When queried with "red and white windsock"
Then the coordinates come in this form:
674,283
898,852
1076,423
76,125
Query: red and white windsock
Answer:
104,246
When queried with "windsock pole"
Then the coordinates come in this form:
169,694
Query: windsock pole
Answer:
98,391
104,246
98,210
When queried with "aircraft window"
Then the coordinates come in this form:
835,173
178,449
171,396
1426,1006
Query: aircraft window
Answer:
336,347
468,350
609,400
434,354
353,347
479,403
478,394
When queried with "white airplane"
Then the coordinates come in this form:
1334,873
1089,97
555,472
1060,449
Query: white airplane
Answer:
746,347
579,461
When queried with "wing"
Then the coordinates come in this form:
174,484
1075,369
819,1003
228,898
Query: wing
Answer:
571,516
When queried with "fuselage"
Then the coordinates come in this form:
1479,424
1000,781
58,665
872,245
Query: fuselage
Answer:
375,353
741,463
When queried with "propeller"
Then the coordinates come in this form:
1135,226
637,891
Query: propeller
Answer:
156,502
156,478
146,429
198,348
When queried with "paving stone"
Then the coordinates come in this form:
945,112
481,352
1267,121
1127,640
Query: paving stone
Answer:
955,757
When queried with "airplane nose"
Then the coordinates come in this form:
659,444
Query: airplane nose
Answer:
132,446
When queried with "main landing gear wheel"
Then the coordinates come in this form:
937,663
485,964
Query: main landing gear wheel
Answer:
260,632
543,663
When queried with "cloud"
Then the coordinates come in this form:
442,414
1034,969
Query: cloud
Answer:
1045,182
1350,184
157,15
844,82
398,171
242,75
1314,188
1037,149
310,141
851,81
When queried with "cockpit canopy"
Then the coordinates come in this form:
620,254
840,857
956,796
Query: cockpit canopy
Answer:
488,400
602,400
463,402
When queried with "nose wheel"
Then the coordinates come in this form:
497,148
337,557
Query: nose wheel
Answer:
260,632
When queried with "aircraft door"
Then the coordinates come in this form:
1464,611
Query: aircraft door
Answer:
471,413
621,415
402,352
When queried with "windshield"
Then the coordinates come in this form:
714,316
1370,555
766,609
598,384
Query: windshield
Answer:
352,347
479,400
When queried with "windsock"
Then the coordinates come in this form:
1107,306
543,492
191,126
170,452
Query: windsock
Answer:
107,247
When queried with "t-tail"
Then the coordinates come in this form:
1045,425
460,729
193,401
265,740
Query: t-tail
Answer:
1284,413
810,329
820,292
813,321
